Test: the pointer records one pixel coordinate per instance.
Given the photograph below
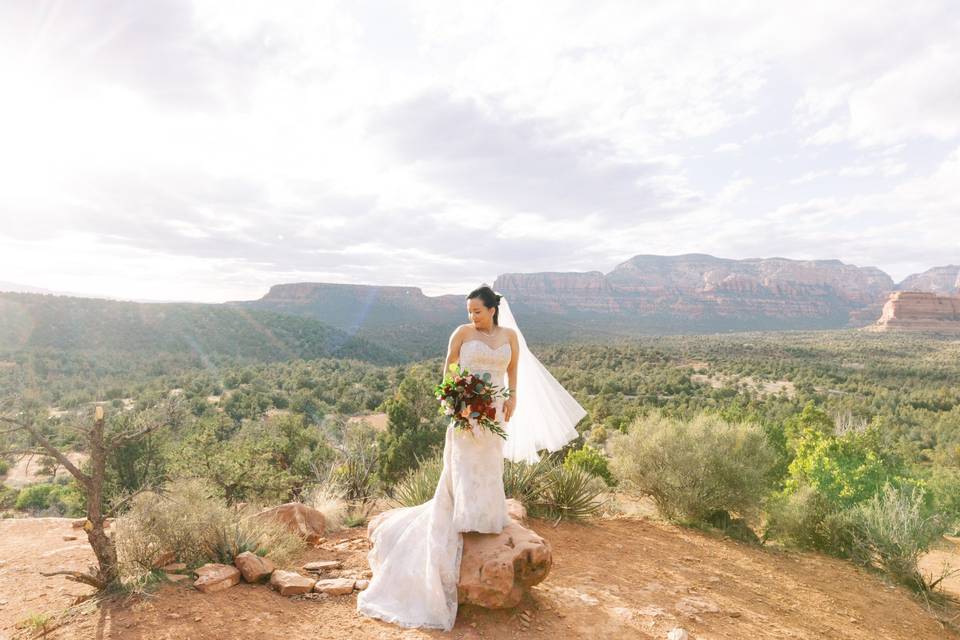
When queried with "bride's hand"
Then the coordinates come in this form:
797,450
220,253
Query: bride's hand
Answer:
509,405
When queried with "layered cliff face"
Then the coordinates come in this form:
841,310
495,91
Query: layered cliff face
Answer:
919,311
943,280
700,287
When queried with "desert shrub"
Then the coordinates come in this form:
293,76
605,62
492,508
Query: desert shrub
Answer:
692,469
419,484
4,466
414,428
8,497
569,493
592,461
355,475
192,520
893,529
944,485
805,518
236,463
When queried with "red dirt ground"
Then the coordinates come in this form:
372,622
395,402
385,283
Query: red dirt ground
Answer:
622,577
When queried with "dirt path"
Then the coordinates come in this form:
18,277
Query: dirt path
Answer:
615,578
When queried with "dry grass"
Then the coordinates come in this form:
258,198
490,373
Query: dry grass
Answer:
189,520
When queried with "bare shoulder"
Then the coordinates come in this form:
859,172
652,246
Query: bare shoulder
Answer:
511,334
460,332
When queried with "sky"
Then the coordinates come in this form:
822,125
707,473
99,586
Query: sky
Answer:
207,150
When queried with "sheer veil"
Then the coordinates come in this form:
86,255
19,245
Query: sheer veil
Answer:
546,413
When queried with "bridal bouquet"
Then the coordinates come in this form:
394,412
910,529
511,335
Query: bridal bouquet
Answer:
469,398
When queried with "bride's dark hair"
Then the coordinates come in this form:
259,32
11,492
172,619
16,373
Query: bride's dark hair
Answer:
490,298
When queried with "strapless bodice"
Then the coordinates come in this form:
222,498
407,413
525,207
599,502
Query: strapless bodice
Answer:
477,356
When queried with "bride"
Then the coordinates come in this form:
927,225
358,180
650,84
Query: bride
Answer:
415,557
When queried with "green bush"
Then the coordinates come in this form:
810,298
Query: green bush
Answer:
845,469
592,461
50,498
35,497
804,518
692,469
893,529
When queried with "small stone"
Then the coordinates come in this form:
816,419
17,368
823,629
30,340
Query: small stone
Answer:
734,614
360,585
678,633
69,537
290,583
177,577
335,586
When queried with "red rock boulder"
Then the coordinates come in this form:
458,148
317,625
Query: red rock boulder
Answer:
299,518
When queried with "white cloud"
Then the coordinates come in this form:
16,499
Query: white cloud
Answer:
207,149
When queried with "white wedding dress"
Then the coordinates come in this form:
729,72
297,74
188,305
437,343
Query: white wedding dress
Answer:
416,551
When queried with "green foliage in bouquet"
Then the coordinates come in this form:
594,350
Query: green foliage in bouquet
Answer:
468,398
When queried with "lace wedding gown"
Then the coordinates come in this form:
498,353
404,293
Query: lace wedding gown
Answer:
416,551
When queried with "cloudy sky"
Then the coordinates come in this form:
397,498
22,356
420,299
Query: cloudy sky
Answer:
203,150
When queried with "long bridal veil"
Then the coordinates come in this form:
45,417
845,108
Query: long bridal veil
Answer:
546,413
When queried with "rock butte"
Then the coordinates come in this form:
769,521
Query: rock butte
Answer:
919,311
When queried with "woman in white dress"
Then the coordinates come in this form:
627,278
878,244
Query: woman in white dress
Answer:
415,558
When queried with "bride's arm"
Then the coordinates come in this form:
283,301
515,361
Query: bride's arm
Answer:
453,349
510,404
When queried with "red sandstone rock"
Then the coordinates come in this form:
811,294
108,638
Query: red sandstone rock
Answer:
289,583
919,311
299,518
253,567
335,586
497,568
216,577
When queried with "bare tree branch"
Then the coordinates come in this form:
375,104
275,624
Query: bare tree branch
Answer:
83,478
121,439
78,576
113,509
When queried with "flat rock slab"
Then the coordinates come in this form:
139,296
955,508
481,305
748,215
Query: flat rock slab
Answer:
215,577
290,583
335,586
319,566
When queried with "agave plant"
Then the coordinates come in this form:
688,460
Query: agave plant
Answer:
419,484
525,481
570,493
